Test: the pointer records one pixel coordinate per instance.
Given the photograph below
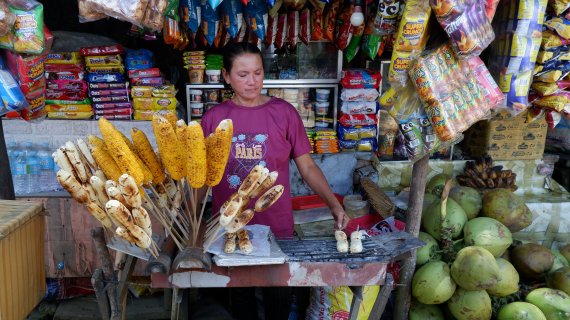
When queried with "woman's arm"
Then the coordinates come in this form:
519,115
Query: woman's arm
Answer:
315,178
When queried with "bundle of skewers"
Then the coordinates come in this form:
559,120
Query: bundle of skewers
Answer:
123,182
234,214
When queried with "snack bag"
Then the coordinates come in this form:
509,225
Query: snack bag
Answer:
387,17
10,92
412,32
7,19
560,25
232,12
317,13
28,28
329,22
256,17
210,20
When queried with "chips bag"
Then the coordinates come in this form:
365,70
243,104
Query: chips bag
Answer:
28,28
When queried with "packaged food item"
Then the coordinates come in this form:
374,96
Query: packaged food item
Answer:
156,81
102,50
105,77
197,109
359,107
412,32
123,85
358,119
559,102
388,98
232,12
342,31
28,69
73,57
65,95
551,40
213,76
190,13
76,115
164,91
292,28
144,73
106,60
210,95
122,98
491,90
154,103
114,111
28,31
321,108
109,92
559,6
304,26
317,19
141,91
114,117
360,79
388,16
147,114
112,105
8,19
560,25
77,85
399,65
68,108
546,89
10,92
329,22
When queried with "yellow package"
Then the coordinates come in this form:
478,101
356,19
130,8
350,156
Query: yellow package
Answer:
545,89
412,32
64,58
388,98
551,40
147,114
335,302
165,91
106,69
556,102
154,103
69,108
544,56
399,66
559,25
141,92
70,115
537,68
559,6
104,61
550,76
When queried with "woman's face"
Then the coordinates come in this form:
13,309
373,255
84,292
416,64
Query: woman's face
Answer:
246,76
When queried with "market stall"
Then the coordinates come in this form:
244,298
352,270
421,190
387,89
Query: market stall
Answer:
399,97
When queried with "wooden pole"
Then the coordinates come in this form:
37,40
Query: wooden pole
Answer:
413,221
6,183
107,266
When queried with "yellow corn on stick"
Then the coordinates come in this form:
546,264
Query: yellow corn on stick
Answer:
147,174
95,141
106,162
169,147
75,189
99,214
182,136
171,118
218,147
196,166
147,155
120,151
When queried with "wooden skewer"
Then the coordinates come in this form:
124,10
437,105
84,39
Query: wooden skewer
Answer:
213,238
173,232
203,207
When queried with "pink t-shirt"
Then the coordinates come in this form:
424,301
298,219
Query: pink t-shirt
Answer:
270,134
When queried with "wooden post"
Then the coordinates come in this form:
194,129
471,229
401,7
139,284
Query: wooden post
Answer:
413,221
6,183
107,266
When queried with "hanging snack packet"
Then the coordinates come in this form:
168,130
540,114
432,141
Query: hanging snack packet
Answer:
559,102
551,40
412,32
191,13
491,8
387,16
280,36
559,6
317,19
271,30
293,27
560,25
546,89
342,34
7,19
256,17
232,12
210,20
305,26
10,92
553,71
296,5
329,22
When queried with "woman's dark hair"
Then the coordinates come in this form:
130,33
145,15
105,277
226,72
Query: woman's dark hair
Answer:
234,50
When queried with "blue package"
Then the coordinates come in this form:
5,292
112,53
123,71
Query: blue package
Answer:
232,12
105,77
255,12
11,94
190,10
210,20
2,65
139,59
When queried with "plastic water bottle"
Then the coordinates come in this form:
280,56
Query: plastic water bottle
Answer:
12,148
33,170
20,173
47,177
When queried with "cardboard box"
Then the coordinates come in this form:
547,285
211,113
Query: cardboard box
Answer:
22,267
507,138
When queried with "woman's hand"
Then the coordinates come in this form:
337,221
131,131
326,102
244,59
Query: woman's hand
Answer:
341,218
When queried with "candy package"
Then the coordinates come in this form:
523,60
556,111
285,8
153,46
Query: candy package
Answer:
190,11
102,50
256,17
28,69
138,59
210,21
76,115
68,108
358,119
358,94
329,21
466,23
354,43
546,89
343,28
292,28
316,24
29,26
387,16
10,92
356,133
359,107
360,79
232,12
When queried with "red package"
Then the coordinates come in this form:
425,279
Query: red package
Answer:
293,27
109,92
491,8
65,95
112,105
271,30
330,19
36,100
281,30
360,79
28,114
304,26
358,120
114,111
73,85
156,81
317,20
65,75
52,67
490,88
102,50
343,35
28,69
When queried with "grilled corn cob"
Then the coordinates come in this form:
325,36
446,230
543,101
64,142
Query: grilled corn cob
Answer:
124,234
218,147
106,162
119,150
171,118
197,166
142,219
146,171
130,191
115,194
62,162
169,147
95,141
182,136
147,155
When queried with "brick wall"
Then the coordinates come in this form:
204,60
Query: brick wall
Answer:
57,132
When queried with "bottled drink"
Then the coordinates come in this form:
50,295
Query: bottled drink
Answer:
47,177
12,148
20,173
33,169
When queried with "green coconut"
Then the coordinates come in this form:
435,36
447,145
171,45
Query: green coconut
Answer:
436,183
520,311
532,260
470,305
420,311
429,199
508,208
475,268
455,219
469,199
565,251
428,252
555,304
432,283
559,279
508,282
488,233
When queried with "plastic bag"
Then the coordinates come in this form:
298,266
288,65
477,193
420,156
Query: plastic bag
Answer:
295,5
256,17
329,22
28,35
280,35
10,92
344,27
190,13
358,94
210,21
304,26
359,107
293,27
233,16
387,17
7,18
317,13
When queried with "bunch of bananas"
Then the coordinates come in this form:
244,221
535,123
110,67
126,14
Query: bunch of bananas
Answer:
481,174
